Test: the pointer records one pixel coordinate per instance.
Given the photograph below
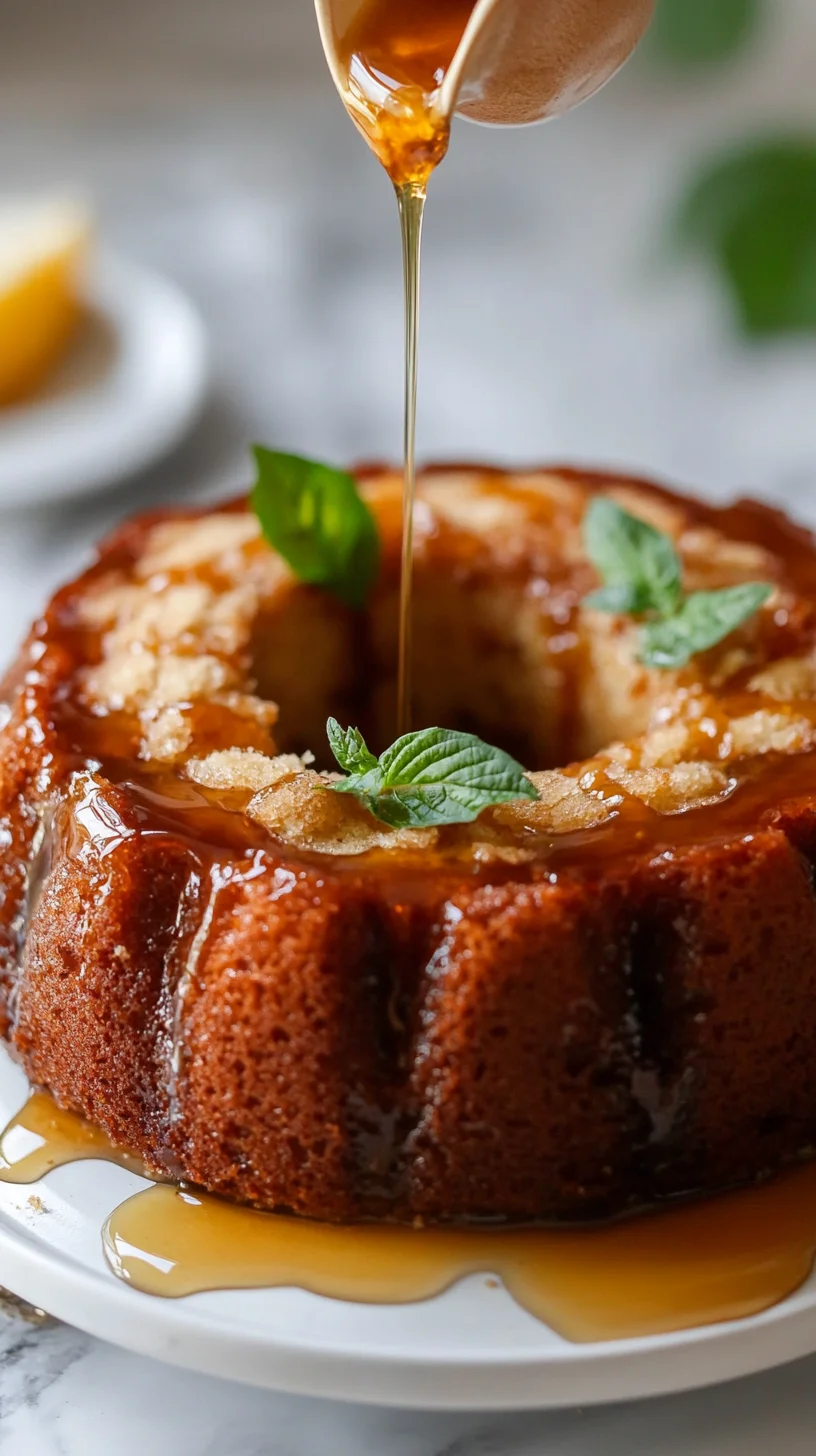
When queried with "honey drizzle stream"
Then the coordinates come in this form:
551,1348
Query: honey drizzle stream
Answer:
690,1265
411,202
394,56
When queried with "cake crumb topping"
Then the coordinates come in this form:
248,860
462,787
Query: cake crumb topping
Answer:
209,628
244,768
302,812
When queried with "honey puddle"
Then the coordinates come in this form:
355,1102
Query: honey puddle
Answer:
43,1136
694,1264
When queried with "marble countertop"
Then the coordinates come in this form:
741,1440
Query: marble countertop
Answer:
554,326
64,1394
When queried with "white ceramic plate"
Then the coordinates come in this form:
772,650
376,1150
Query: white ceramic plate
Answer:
470,1348
128,391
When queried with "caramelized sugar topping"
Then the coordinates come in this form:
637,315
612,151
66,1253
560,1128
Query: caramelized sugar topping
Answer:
190,634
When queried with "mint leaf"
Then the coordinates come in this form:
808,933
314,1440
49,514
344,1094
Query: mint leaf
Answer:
754,213
314,517
702,32
704,619
642,572
349,748
458,761
638,565
622,599
432,777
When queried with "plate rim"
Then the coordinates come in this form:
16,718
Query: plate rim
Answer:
117,287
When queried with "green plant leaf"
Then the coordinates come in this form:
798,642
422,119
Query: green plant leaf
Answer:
349,748
702,32
643,577
638,565
435,776
729,186
314,517
704,619
753,213
623,599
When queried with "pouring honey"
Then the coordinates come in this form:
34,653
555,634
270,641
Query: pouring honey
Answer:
403,69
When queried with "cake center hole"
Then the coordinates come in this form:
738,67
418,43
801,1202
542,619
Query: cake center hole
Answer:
487,659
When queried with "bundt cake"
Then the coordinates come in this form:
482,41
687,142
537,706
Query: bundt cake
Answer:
569,1008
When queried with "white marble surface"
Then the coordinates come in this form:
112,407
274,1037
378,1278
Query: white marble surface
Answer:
553,326
62,1394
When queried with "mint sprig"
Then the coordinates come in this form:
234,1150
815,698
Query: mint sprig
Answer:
703,620
637,563
432,777
349,748
315,519
642,576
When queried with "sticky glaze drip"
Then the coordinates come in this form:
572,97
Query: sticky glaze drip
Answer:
43,1136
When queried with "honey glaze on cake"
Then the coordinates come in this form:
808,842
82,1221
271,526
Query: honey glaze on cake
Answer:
693,1265
571,1008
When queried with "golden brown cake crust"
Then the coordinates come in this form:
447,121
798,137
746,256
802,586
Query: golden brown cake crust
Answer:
571,1008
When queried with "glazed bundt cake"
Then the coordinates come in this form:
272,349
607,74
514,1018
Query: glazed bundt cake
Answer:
568,1008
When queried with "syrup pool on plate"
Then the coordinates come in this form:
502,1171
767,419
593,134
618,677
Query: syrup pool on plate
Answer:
691,1265
43,1136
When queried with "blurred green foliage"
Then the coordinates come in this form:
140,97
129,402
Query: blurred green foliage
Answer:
702,32
754,211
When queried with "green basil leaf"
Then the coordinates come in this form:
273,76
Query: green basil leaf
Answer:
704,619
436,776
637,563
701,32
349,748
314,517
754,213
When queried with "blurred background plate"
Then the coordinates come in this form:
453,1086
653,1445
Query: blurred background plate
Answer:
130,388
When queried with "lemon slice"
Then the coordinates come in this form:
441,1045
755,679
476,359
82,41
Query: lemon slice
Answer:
42,244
